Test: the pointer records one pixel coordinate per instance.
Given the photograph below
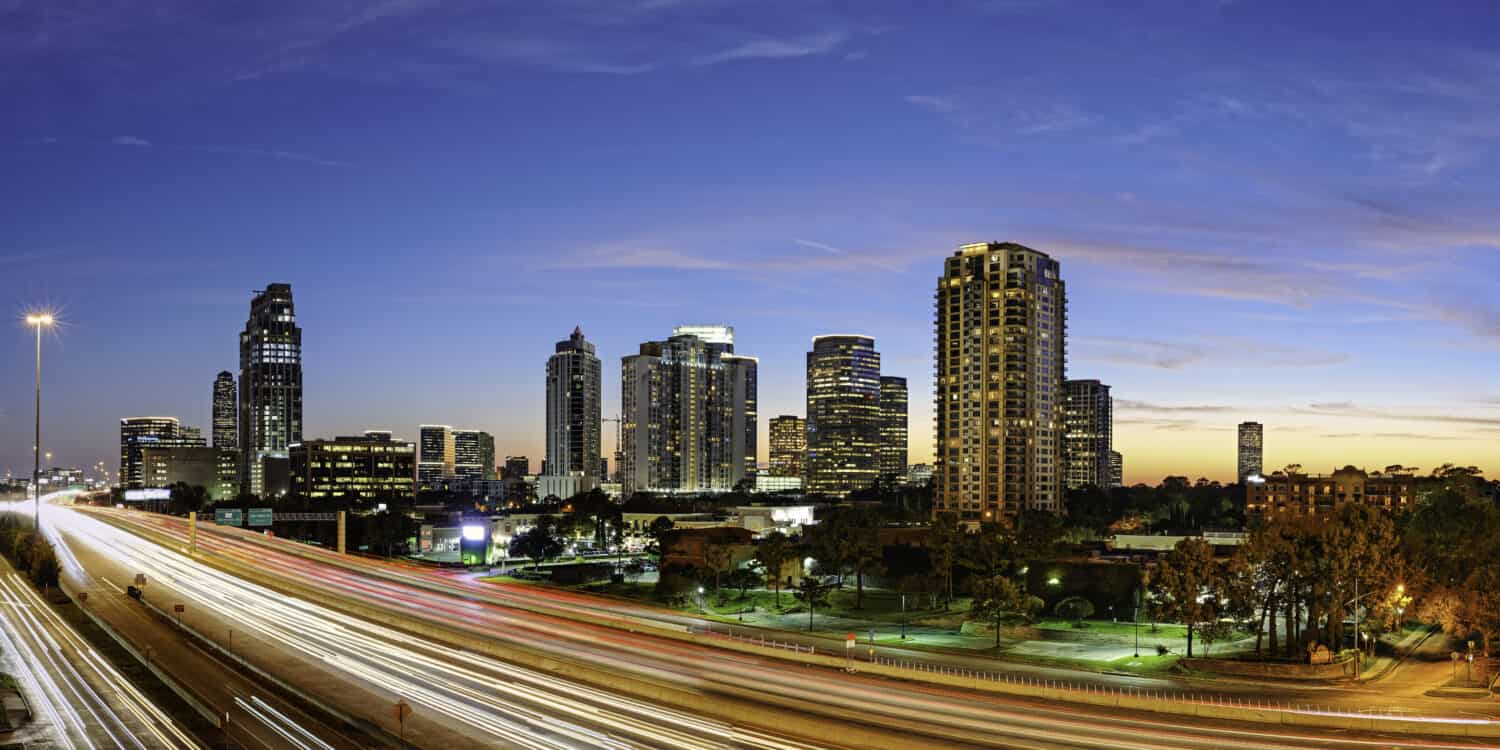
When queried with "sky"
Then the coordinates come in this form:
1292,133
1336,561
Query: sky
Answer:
1279,211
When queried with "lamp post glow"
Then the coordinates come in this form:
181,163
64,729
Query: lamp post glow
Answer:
38,320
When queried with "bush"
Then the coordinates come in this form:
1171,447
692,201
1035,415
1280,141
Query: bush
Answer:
1162,650
1074,608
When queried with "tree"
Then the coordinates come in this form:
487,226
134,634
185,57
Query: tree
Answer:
943,544
813,592
998,600
538,543
1212,632
744,579
186,499
988,552
658,531
633,571
717,557
773,552
44,569
1180,582
1075,609
862,552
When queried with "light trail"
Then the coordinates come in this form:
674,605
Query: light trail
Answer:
513,705
62,671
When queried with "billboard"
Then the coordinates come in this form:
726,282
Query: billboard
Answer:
141,496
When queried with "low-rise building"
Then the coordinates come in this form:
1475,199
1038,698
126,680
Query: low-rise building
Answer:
216,470
1320,494
363,469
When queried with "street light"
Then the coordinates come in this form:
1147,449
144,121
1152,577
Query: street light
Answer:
1358,651
38,320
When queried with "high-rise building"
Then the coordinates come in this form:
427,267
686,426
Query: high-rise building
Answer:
435,455
365,468
1116,469
270,404
843,414
687,414
224,421
788,445
141,432
516,467
893,430
573,417
1001,320
1088,433
1251,450
473,454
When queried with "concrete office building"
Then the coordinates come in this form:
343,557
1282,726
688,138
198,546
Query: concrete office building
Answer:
369,468
843,414
270,403
788,435
1251,450
473,454
893,431
573,424
225,422
1088,433
687,414
214,469
1000,333
435,455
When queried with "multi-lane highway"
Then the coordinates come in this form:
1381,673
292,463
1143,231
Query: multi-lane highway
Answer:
450,682
83,701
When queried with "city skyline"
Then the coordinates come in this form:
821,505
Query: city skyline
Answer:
1215,275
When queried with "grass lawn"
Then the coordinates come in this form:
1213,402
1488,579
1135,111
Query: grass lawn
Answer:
1101,628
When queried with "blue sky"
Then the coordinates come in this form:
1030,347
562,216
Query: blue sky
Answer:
1263,210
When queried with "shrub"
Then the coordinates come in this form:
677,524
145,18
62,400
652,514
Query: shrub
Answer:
1074,608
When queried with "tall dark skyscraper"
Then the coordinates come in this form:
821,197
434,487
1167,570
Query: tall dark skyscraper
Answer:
843,414
224,420
573,417
1088,438
893,429
270,384
1001,320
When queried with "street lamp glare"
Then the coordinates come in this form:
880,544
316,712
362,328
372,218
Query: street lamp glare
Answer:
1400,588
39,319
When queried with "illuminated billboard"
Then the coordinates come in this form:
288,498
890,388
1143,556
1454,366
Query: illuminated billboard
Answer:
141,496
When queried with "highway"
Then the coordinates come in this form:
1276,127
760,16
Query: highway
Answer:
910,711
82,699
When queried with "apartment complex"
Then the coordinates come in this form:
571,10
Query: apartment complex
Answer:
1001,322
1088,434
1320,494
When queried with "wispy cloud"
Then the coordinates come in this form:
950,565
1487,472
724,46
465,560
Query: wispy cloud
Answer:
1126,404
1179,354
134,142
1350,409
545,53
129,140
819,43
820,246
996,114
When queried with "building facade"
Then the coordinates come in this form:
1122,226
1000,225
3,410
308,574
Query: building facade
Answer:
843,414
1116,469
893,430
473,454
214,469
1298,494
574,427
1001,332
225,422
435,455
137,433
686,417
788,445
1251,450
270,404
362,469
1088,433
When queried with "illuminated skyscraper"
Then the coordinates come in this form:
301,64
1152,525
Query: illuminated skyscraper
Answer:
223,427
893,431
1251,450
270,384
1116,469
473,454
788,445
688,406
843,414
137,433
1001,320
1088,433
573,416
435,455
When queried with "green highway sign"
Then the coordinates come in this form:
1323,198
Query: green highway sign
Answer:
229,517
259,517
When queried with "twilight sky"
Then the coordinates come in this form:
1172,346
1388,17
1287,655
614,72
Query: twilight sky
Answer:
1283,211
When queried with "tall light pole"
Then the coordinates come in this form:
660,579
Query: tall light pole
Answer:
38,320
